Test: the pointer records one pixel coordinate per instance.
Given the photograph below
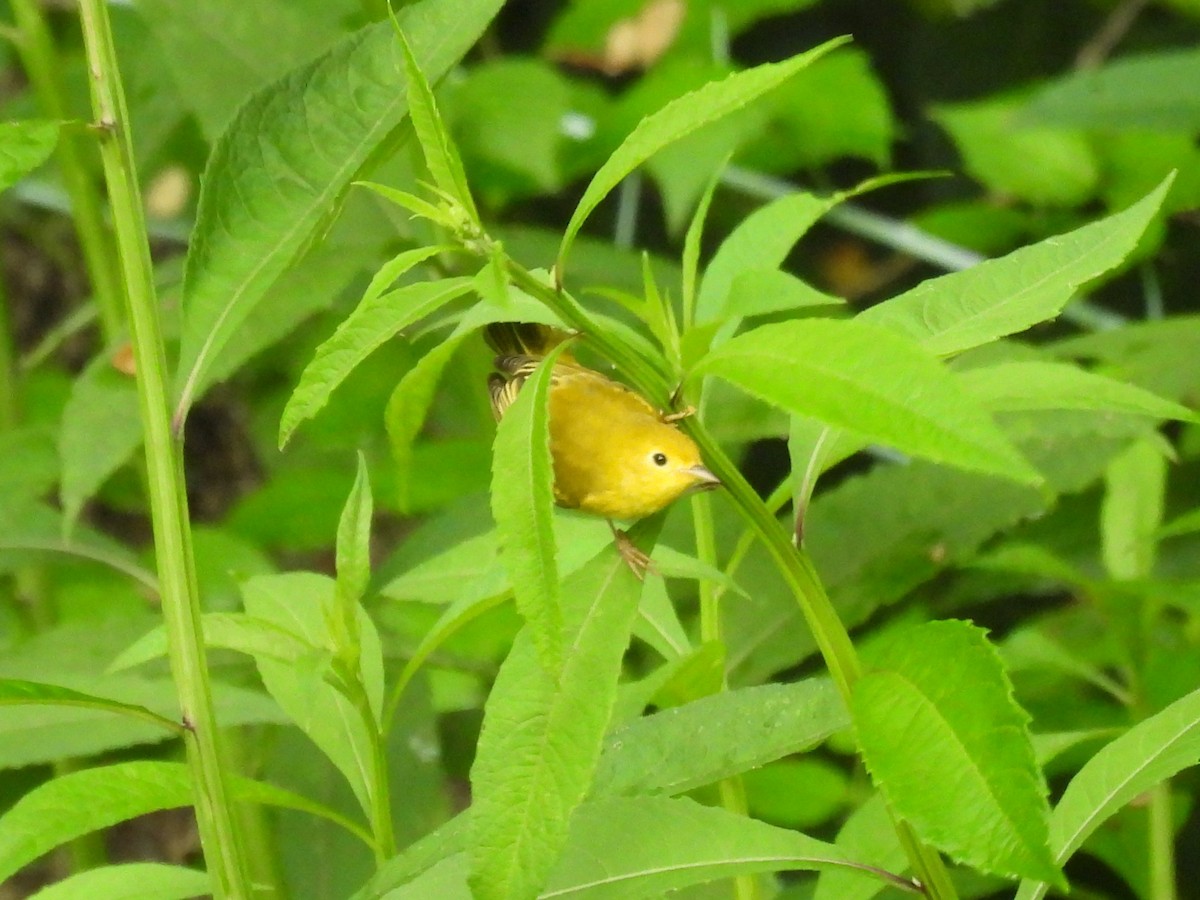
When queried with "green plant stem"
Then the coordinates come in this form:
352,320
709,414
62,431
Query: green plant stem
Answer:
43,67
164,469
9,408
793,562
1162,844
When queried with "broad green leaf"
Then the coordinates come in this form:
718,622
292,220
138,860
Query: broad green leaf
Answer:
445,576
523,507
228,631
23,147
445,880
653,846
868,835
372,323
673,564
938,701
353,561
1047,165
1044,385
1146,755
441,157
100,431
542,736
30,464
242,49
1004,296
760,242
79,803
1130,516
1153,91
760,292
22,693
836,107
684,747
130,881
290,152
862,378
303,603
678,118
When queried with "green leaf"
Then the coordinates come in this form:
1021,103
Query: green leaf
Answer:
30,464
373,322
1032,385
130,881
1146,755
303,603
950,749
270,183
21,693
652,846
1153,91
1004,296
1135,485
441,157
678,118
237,59
1188,523
760,242
101,430
760,292
658,622
862,378
23,147
523,507
715,737
353,563
79,803
1046,165
227,631
542,736
868,835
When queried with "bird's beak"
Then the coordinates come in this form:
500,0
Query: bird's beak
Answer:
705,480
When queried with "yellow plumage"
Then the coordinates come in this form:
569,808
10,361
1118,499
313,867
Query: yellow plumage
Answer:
614,454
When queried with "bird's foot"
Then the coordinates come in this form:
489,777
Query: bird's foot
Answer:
635,558
684,413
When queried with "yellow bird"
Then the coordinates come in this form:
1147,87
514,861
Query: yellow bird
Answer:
614,454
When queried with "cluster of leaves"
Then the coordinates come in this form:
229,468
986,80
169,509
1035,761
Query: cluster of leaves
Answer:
352,236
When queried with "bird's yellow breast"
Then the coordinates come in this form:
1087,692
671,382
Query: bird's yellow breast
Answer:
613,455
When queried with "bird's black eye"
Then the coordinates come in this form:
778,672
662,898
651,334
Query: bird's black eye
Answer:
660,459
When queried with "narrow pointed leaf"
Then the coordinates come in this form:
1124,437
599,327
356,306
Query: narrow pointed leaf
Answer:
354,539
869,381
228,631
372,323
542,736
523,507
701,742
678,119
21,693
626,848
79,803
1007,295
290,152
441,157
940,701
1014,386
130,881
1146,755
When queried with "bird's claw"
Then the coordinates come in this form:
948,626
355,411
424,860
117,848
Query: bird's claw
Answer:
637,560
684,413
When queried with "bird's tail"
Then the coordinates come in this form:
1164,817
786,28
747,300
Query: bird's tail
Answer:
528,339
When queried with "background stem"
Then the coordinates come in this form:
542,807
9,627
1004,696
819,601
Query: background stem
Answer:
164,468
43,66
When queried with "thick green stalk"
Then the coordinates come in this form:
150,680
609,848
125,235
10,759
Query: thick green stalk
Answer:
164,468
43,67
